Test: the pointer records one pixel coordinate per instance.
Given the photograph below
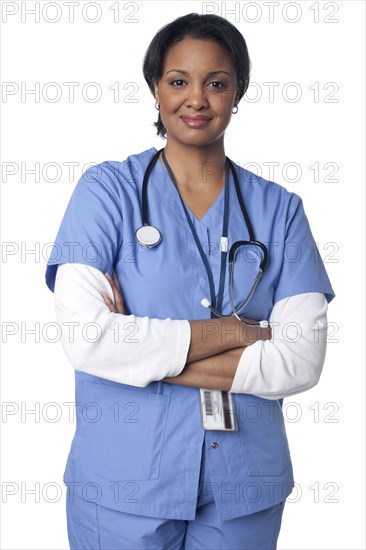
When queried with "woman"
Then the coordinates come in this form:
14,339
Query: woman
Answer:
146,468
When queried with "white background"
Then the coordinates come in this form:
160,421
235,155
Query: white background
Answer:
325,425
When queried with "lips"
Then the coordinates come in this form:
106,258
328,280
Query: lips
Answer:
193,118
196,121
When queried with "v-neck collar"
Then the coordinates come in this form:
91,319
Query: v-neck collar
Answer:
174,192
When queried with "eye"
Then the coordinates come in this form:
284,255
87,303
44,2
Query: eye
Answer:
172,83
218,85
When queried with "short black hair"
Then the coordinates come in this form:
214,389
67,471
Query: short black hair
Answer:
201,26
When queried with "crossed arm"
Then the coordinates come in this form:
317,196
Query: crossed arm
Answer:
283,360
216,353
216,371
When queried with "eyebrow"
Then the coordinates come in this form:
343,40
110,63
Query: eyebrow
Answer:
187,72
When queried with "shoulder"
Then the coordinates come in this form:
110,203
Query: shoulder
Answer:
118,168
115,175
261,191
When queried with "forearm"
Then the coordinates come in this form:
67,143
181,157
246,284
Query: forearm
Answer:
212,337
209,338
216,372
291,363
153,348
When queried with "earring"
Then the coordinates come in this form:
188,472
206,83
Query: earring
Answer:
237,109
157,106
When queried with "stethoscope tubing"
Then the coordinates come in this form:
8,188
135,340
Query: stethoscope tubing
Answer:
233,248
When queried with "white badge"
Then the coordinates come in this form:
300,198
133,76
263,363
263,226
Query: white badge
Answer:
218,410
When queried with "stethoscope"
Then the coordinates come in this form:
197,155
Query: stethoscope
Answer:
149,236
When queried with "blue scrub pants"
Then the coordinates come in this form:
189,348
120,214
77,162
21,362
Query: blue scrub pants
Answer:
94,527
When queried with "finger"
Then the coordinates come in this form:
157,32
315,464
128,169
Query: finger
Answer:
109,279
118,306
109,302
116,282
119,302
117,291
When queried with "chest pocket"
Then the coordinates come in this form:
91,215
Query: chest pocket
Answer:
121,431
263,435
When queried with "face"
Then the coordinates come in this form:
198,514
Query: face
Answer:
198,80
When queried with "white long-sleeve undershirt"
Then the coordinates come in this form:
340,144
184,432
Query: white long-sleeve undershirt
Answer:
139,350
292,361
123,348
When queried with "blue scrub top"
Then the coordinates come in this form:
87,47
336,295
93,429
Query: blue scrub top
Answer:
137,450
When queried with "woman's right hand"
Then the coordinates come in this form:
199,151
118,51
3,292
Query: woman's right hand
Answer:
118,306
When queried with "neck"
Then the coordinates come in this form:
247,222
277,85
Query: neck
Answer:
196,167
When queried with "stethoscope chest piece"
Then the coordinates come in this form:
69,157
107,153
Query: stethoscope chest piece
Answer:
148,236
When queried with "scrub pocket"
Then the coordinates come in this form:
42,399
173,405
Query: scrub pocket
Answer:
82,523
81,538
263,436
121,431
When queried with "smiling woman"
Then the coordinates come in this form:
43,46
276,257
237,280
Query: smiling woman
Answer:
156,453
198,98
195,108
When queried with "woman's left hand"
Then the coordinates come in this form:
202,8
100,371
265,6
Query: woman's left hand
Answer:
118,306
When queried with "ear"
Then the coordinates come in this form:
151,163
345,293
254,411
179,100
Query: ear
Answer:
237,99
156,93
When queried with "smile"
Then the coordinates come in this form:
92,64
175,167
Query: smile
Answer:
198,121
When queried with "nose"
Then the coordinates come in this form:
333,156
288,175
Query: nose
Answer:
197,97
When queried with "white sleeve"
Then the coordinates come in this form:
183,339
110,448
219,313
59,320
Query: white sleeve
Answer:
123,348
292,361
